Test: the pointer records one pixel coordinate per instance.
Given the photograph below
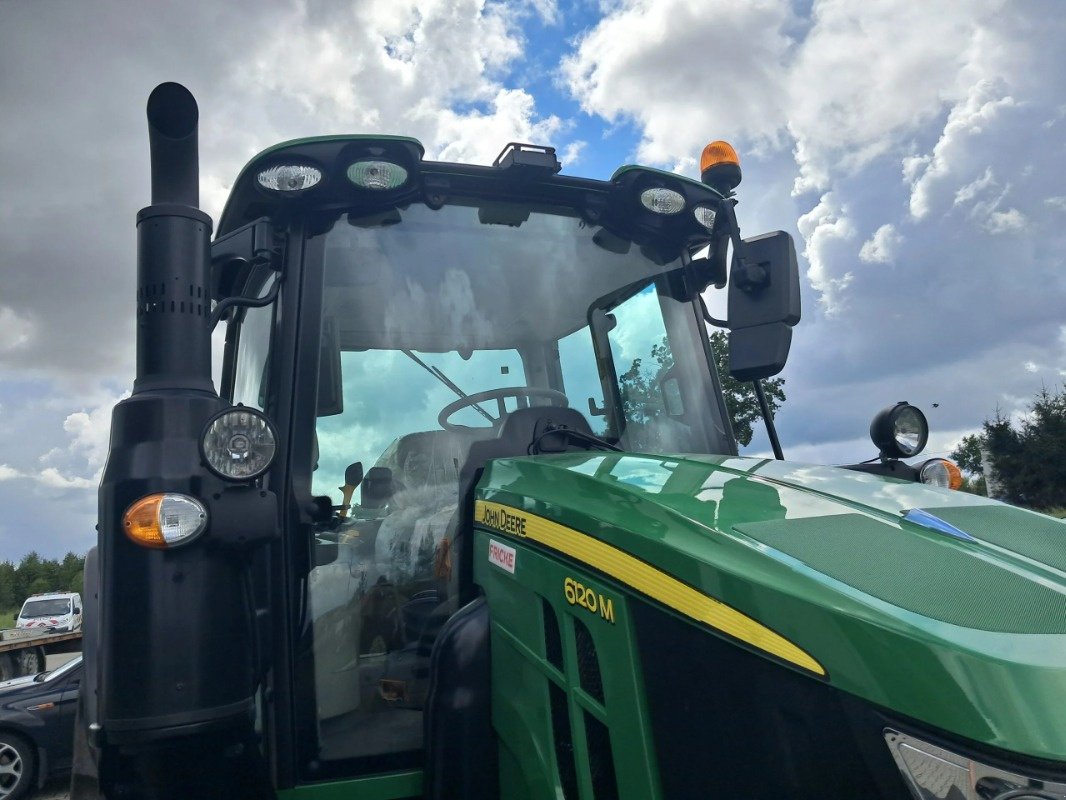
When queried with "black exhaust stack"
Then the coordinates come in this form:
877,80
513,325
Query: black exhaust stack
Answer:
172,120
173,241
175,668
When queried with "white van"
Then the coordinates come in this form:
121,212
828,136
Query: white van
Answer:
54,611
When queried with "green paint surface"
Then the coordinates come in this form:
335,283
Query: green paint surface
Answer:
523,676
882,636
1027,533
943,579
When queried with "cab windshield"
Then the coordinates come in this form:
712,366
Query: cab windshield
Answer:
529,305
45,608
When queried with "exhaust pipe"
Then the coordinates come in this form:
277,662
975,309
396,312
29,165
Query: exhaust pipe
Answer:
172,137
167,618
173,242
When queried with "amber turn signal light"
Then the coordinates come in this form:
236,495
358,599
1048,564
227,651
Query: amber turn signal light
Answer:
940,472
162,521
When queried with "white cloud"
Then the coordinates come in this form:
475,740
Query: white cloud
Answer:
982,104
546,10
571,154
1058,202
53,479
881,248
868,76
16,330
973,189
50,478
478,137
687,71
1009,221
824,228
427,69
90,433
9,473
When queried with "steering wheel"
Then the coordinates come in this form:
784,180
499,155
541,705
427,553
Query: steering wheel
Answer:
499,395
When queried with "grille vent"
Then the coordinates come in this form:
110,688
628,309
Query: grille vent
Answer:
601,765
553,644
588,665
153,298
564,744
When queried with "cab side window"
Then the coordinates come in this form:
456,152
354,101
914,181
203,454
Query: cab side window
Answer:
651,402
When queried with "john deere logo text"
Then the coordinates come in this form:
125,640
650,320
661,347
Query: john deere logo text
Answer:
502,521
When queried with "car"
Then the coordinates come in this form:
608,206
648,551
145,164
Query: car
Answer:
37,727
52,612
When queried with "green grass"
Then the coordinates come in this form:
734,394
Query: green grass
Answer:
8,617
1056,512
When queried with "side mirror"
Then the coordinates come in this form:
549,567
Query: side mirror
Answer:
77,609
764,304
353,476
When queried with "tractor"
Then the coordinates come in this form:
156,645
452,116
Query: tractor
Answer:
461,516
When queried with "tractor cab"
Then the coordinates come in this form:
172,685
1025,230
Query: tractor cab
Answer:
442,316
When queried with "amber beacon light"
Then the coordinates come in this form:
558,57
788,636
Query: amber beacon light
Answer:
720,166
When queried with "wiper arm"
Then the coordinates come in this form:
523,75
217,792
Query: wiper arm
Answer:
542,444
440,376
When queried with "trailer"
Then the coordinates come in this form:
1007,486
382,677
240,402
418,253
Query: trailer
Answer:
23,650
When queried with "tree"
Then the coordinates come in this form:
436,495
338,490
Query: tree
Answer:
968,454
1030,457
740,397
643,401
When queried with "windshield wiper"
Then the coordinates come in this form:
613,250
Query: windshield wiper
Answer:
542,443
440,376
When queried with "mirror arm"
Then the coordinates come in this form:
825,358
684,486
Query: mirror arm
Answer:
748,277
718,323
771,429
245,302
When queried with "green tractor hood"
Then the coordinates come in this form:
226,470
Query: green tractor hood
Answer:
940,606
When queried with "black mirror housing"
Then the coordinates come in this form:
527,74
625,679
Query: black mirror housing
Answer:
760,351
764,304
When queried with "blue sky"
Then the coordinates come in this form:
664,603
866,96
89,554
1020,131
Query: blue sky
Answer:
914,150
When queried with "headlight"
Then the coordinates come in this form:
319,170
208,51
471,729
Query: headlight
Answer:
238,444
933,773
900,431
289,177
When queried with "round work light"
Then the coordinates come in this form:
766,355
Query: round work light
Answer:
238,444
900,431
